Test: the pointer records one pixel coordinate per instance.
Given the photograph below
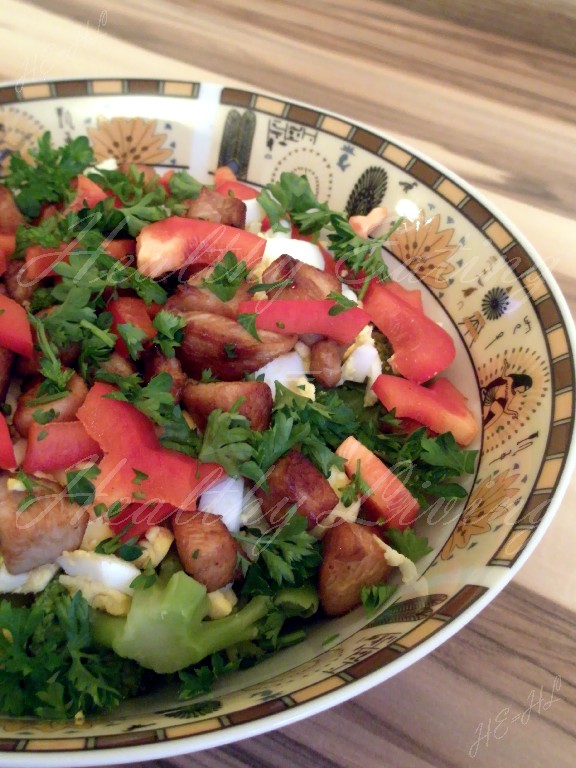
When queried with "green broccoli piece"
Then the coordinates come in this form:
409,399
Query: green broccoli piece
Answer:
165,629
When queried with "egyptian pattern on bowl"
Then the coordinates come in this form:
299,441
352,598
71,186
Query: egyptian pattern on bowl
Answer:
515,364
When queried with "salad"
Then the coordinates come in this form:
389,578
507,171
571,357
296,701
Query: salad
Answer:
220,421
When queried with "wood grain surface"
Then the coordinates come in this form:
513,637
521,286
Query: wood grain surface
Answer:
459,83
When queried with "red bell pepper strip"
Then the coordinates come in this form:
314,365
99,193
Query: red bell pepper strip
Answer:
115,425
237,189
88,194
129,442
7,457
310,316
175,243
390,501
58,445
135,519
8,243
421,347
162,476
15,332
439,406
130,309
410,296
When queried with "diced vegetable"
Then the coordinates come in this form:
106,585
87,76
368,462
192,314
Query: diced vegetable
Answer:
166,628
135,519
88,194
174,243
237,189
15,332
7,457
389,502
58,445
311,316
421,347
439,406
132,310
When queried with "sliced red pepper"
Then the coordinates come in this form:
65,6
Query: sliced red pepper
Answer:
15,332
223,174
58,445
421,347
130,309
135,519
237,189
440,406
129,442
310,316
88,194
164,180
175,243
115,425
7,457
8,243
410,296
154,475
40,261
389,501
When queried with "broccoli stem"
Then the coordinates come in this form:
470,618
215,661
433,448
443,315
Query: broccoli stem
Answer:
166,628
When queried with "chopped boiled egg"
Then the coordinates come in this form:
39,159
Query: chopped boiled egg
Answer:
362,363
254,215
97,595
279,243
221,602
107,570
396,560
225,499
34,580
155,545
289,370
96,531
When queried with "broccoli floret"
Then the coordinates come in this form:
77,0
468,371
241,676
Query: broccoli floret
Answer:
166,628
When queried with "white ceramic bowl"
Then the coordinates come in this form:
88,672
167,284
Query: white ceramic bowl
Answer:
515,363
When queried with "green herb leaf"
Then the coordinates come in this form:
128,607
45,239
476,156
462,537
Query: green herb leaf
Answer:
170,331
342,303
408,543
226,277
133,337
44,417
373,598
248,322
79,487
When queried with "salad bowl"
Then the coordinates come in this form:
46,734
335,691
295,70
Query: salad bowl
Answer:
478,278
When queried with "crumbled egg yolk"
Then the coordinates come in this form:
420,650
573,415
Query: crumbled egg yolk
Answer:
155,545
396,560
221,602
98,595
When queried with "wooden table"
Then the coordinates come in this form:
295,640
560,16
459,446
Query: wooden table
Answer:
501,111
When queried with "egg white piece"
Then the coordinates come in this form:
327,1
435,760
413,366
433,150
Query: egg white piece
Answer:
363,363
225,499
278,244
97,595
289,370
254,213
31,581
107,570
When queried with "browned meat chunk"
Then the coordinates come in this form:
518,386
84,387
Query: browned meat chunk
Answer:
192,297
10,216
118,365
65,407
207,549
226,348
307,282
295,480
40,533
18,286
201,399
156,362
352,559
325,362
222,209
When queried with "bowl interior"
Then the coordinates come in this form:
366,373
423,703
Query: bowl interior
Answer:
514,363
